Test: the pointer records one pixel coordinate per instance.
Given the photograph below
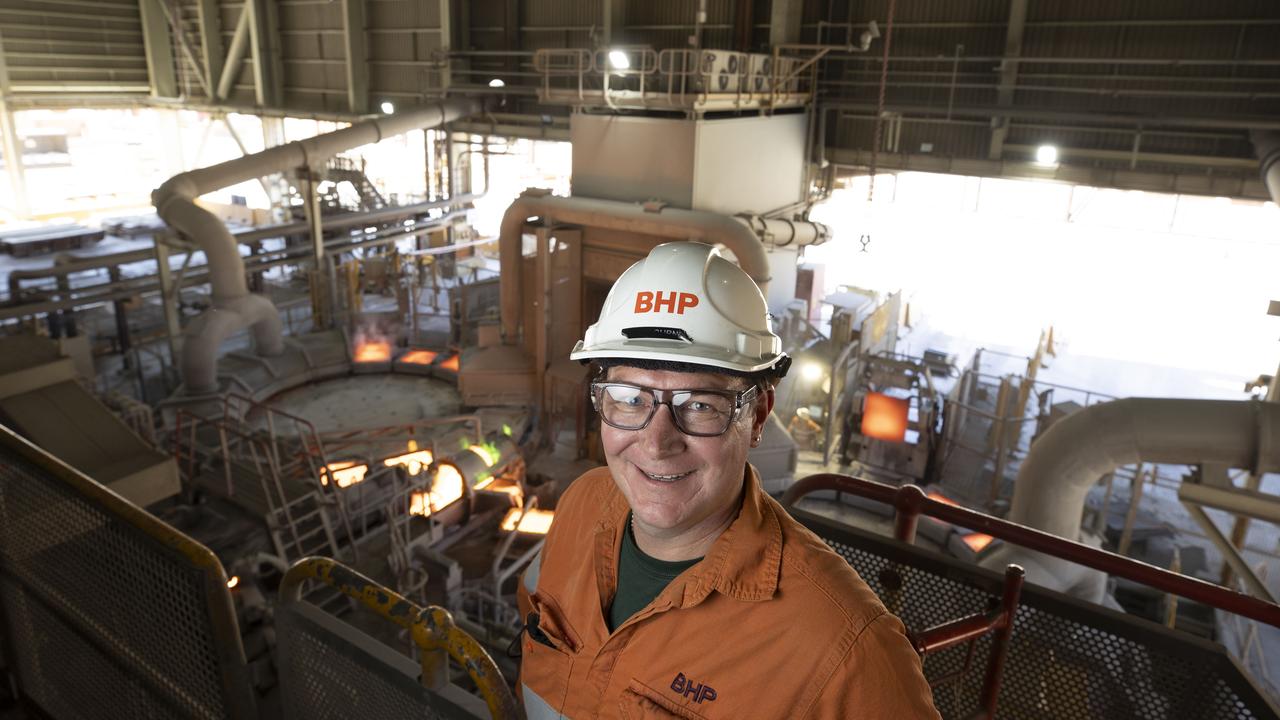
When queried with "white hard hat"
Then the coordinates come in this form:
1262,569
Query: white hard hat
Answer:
685,303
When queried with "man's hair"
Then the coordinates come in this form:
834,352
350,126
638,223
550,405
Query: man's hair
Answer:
767,379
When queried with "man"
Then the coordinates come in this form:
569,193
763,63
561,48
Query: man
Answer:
670,584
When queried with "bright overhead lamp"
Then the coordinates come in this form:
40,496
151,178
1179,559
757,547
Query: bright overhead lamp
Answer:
497,82
1047,155
387,107
618,60
812,371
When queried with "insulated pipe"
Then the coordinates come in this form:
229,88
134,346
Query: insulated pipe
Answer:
780,233
670,223
1051,486
1267,144
175,204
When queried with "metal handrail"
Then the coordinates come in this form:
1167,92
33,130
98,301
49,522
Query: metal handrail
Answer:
998,621
911,502
225,635
432,628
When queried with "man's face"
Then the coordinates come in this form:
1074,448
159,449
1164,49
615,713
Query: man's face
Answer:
700,479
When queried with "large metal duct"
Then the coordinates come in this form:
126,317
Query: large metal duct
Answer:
743,235
1069,459
1267,144
234,308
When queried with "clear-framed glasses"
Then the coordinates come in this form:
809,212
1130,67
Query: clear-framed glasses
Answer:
702,413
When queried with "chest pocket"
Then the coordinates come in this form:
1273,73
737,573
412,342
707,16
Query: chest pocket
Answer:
641,702
548,648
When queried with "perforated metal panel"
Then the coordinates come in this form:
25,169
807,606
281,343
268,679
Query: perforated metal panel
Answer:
1067,659
331,671
102,619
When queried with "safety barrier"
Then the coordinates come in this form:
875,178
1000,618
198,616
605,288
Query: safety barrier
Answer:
359,685
109,612
1066,658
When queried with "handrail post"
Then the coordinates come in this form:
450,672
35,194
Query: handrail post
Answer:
1013,577
909,501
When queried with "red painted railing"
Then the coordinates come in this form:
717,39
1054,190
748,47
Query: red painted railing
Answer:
911,502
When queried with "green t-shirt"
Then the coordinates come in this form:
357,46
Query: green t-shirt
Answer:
640,579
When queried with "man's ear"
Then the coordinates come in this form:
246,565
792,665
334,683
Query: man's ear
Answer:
763,406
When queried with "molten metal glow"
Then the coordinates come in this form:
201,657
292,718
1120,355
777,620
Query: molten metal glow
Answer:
977,541
535,521
488,452
413,462
446,489
503,486
451,363
345,474
935,495
234,581
373,351
418,357
884,417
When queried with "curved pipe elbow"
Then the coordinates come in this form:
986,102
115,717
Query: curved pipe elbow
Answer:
1055,478
207,333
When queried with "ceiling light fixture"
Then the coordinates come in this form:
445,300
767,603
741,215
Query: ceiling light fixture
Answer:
1047,155
618,60
496,83
387,107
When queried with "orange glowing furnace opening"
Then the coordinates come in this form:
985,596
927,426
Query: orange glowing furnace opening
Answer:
446,489
977,541
535,522
451,363
419,357
884,417
345,474
373,351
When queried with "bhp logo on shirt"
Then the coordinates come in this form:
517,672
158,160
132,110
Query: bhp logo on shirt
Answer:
670,302
696,692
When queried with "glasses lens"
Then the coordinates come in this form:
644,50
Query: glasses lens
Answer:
703,412
625,406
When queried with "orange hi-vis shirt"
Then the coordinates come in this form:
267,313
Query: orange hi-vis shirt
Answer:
770,624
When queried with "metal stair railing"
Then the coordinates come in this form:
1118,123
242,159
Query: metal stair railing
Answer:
303,453
431,628
252,455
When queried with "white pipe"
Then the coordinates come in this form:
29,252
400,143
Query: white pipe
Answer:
1266,143
780,233
1053,482
667,223
233,307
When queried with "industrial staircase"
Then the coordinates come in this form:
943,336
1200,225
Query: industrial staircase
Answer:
344,169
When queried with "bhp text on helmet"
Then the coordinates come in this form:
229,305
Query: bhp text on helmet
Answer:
673,302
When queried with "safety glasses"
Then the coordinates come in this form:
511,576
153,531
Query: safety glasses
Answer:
701,413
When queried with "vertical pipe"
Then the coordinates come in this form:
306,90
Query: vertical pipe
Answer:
121,318
1135,498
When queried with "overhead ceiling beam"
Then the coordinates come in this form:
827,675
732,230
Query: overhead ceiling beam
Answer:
235,55
1246,187
511,32
613,19
357,47
267,68
1127,120
158,46
785,19
210,41
1008,75
10,145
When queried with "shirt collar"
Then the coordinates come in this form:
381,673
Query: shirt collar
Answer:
743,563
